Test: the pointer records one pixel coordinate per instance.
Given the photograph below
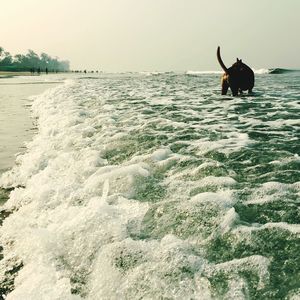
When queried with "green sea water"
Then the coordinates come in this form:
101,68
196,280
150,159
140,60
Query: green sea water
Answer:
154,186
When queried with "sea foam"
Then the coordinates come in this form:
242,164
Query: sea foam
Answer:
138,187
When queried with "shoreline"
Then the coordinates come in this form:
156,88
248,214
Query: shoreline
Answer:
16,123
8,74
15,116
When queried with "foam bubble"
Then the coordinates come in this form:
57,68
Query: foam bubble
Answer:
128,184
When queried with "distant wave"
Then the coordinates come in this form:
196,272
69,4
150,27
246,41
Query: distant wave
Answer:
151,73
261,71
282,71
196,73
256,71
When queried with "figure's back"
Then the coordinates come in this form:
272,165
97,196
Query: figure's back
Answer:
247,77
243,75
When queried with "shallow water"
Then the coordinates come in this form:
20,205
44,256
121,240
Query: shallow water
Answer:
16,125
154,186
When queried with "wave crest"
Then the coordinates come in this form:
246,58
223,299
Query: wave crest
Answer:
256,71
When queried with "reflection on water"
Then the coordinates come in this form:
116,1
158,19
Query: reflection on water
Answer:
16,126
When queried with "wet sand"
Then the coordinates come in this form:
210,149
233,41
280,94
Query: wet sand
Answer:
12,74
16,124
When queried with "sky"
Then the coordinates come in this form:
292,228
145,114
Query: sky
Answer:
149,35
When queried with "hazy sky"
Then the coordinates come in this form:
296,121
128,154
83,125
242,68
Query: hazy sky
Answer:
137,35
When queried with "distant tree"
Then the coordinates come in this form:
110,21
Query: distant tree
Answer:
45,60
19,60
5,58
32,61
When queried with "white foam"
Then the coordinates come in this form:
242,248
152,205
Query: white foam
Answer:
77,209
257,262
161,154
203,72
261,71
151,73
292,228
256,71
286,160
61,219
223,198
270,192
230,218
216,181
294,294
234,142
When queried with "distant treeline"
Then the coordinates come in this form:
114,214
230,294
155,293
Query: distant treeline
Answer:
31,61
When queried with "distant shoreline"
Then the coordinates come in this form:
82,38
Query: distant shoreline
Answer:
7,74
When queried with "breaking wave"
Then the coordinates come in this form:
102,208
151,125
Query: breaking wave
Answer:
256,71
151,187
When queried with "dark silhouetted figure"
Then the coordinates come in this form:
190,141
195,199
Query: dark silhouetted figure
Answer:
84,71
239,77
39,71
46,70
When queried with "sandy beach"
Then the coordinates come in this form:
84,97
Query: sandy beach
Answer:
16,124
12,74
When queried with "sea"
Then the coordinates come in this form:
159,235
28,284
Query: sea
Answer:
151,186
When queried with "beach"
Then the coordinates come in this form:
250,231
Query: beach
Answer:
5,74
149,185
16,124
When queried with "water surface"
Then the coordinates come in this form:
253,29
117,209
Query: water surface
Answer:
16,125
153,186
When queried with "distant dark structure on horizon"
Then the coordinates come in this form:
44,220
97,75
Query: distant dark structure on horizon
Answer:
31,62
